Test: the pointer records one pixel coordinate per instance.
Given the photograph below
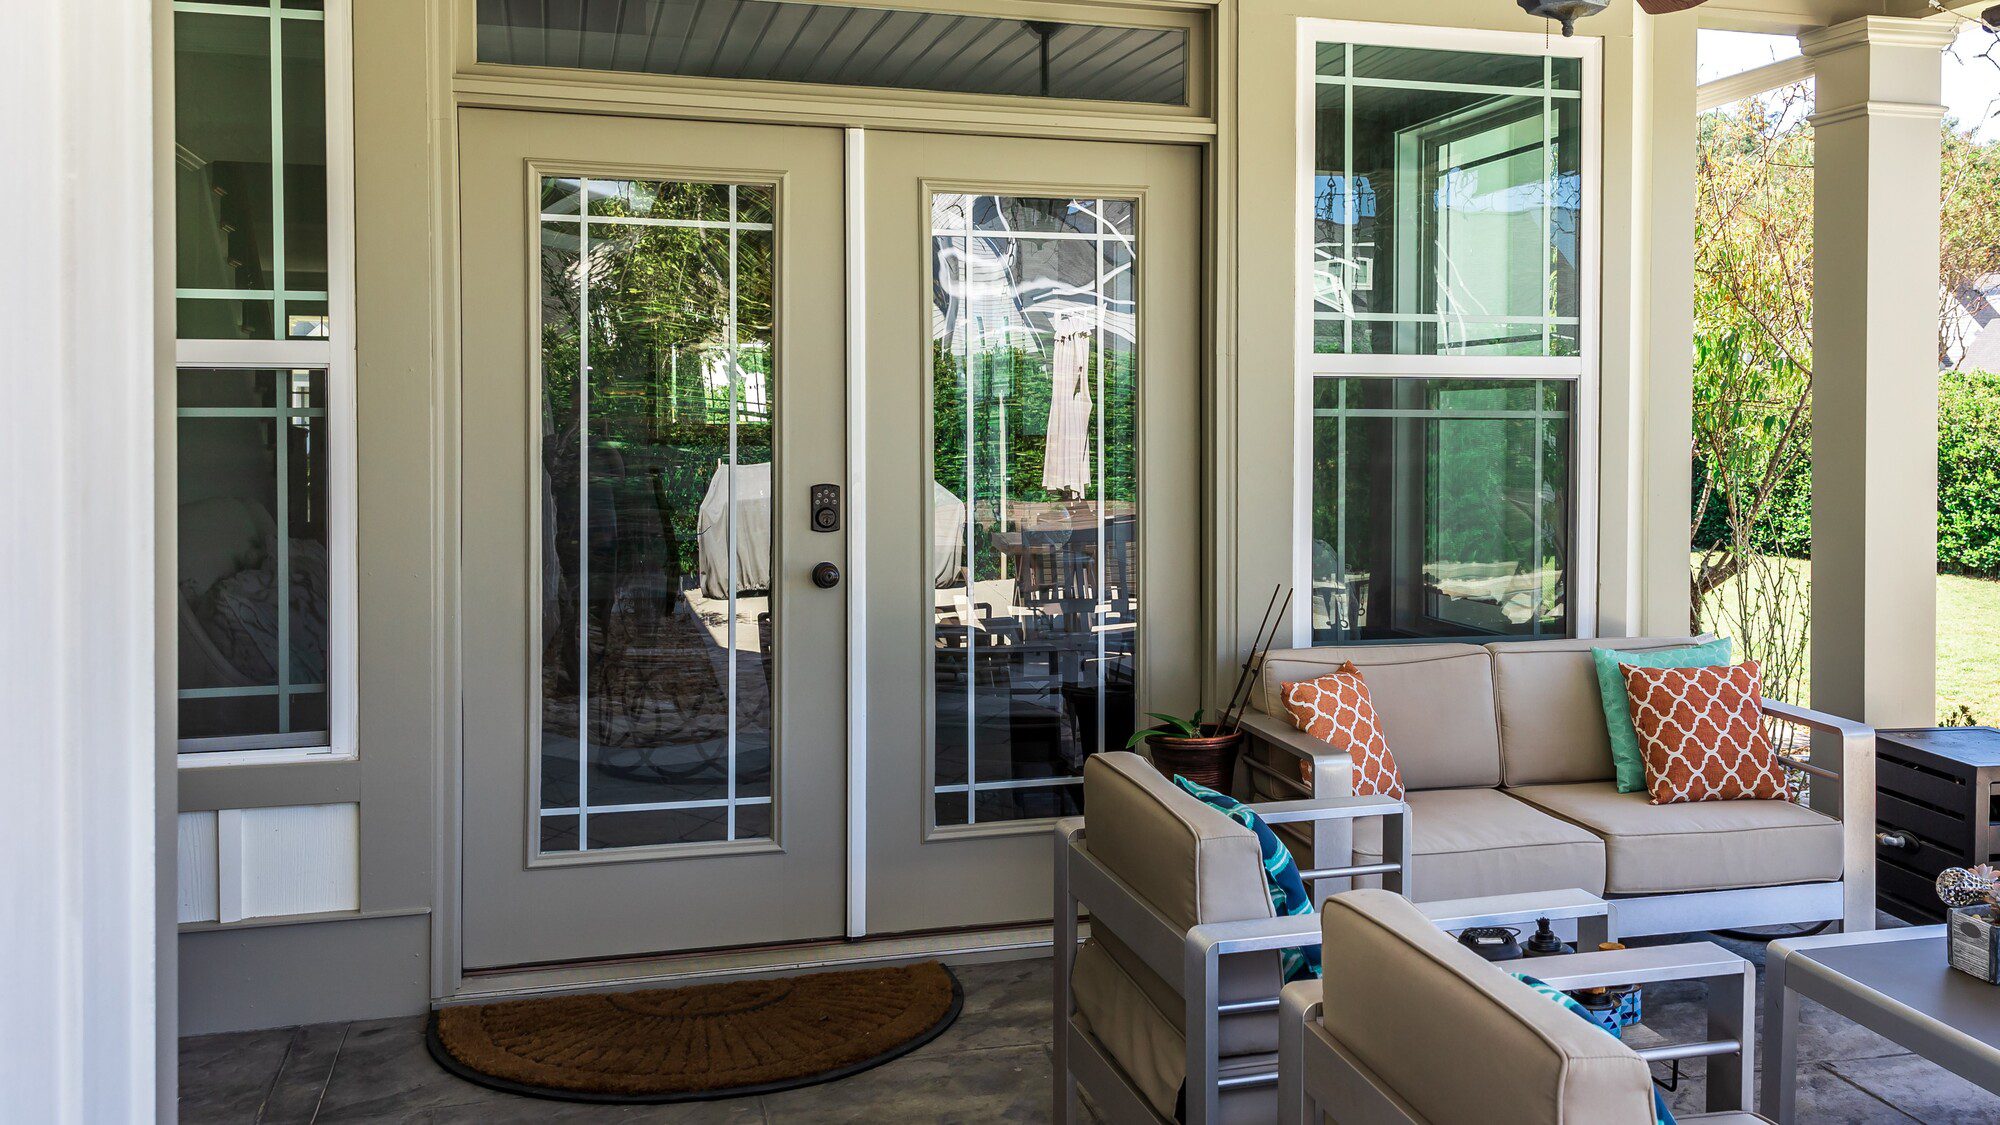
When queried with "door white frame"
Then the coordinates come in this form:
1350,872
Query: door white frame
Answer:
856,563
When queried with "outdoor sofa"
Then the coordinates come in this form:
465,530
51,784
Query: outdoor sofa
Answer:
1504,752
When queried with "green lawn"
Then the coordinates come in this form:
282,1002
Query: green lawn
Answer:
1968,660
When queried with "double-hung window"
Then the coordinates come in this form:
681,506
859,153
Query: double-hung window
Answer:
263,389
1448,268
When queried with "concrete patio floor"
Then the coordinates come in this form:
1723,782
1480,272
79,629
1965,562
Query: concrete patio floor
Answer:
992,1065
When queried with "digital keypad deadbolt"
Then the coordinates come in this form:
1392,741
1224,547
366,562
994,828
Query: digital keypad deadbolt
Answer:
826,507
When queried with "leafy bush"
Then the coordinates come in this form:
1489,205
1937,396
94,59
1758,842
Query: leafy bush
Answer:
1968,486
1969,473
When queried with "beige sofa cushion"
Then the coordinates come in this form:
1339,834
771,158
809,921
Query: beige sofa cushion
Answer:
1710,846
1149,1046
1550,712
1435,703
1193,865
1473,842
1407,1002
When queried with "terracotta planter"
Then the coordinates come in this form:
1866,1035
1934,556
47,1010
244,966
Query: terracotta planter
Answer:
1209,760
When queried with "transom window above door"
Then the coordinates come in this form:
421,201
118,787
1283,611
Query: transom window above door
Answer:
842,44
1448,232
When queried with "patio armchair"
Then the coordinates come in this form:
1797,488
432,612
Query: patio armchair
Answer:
1505,755
1170,1009
1410,1026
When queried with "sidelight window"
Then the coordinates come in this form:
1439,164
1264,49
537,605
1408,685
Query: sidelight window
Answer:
263,392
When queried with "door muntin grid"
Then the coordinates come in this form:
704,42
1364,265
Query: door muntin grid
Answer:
656,326
1034,552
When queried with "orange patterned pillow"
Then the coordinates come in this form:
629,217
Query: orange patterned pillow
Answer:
1701,733
1337,710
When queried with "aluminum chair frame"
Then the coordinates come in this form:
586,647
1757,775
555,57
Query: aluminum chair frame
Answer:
1848,902
1190,960
1319,1075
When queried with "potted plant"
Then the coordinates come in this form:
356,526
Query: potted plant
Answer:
1204,753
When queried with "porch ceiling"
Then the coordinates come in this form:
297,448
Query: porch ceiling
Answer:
1798,15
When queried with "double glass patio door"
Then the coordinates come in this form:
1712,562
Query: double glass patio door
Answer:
682,731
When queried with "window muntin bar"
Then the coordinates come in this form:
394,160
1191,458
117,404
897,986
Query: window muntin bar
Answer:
1034,552
656,338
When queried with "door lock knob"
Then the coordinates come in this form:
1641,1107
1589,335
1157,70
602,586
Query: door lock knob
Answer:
826,576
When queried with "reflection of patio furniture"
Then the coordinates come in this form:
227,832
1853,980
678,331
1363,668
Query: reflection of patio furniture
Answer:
1342,603
1516,595
753,531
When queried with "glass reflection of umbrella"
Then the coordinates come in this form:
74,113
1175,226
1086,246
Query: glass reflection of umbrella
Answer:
1066,456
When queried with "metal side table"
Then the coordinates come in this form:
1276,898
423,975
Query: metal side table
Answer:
1895,983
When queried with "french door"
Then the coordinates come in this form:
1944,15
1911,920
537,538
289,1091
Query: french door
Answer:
655,733
655,399
1033,456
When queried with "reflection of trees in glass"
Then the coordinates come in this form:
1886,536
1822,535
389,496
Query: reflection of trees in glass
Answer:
657,300
1015,383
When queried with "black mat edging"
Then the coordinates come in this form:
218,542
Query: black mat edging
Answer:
450,1062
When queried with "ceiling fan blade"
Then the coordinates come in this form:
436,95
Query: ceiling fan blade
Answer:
1662,7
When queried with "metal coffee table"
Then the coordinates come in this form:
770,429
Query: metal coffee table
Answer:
1893,982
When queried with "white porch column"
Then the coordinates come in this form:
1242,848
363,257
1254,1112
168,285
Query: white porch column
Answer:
79,933
1874,597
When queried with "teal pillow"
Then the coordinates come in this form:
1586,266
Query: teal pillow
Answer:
1661,1115
1281,874
1618,708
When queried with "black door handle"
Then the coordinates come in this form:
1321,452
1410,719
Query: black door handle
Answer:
826,576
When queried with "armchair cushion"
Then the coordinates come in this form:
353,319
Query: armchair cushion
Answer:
1472,842
1193,865
1714,845
1148,1043
1415,1001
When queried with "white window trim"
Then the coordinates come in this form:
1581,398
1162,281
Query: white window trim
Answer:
335,356
1584,369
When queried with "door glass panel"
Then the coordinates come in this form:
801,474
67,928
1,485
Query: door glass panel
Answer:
1034,552
655,512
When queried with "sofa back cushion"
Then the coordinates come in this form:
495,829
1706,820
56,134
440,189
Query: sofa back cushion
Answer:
1551,712
1434,702
1407,1002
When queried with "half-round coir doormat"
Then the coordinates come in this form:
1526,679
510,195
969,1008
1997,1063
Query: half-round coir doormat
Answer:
703,1041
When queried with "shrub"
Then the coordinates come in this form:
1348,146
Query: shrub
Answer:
1968,486
1969,473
